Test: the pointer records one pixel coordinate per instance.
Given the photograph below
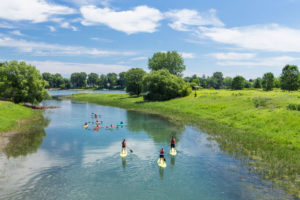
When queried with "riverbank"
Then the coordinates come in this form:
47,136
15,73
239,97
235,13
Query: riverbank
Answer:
248,124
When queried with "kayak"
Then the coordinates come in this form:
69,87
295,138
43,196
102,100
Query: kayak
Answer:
173,152
97,128
85,126
120,124
123,154
161,164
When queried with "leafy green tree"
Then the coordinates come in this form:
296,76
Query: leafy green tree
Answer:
218,80
49,78
277,82
290,78
58,80
238,83
134,79
67,83
112,79
228,82
268,81
78,80
257,83
122,80
92,79
162,85
20,82
248,83
102,81
171,60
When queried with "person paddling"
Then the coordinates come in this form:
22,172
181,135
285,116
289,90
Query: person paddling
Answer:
173,143
96,116
124,146
162,155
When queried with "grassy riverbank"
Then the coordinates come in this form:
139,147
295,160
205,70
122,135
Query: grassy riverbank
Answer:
11,116
250,123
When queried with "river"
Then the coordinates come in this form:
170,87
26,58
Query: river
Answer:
62,160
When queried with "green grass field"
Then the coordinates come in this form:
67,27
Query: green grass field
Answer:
248,124
11,114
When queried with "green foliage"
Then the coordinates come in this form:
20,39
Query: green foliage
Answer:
290,78
218,80
162,85
228,82
260,102
92,79
238,83
293,106
122,80
56,81
112,79
171,60
134,79
20,82
258,83
268,81
102,81
78,79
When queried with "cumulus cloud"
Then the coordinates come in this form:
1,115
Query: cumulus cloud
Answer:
259,37
139,58
67,68
187,55
233,56
31,10
42,49
139,19
68,26
183,20
52,29
16,32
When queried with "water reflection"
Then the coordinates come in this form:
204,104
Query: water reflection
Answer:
159,129
173,160
124,162
161,172
29,141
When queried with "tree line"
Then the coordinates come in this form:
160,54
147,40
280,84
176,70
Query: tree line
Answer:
288,80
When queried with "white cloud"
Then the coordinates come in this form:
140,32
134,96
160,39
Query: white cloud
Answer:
68,26
52,29
101,39
182,20
6,25
31,10
187,55
264,37
279,61
16,32
104,3
139,19
233,56
139,58
39,48
67,68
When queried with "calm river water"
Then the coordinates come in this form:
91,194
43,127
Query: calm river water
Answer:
62,160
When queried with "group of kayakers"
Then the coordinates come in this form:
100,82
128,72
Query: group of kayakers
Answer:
162,160
98,125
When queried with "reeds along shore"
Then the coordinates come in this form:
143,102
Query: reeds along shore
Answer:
251,124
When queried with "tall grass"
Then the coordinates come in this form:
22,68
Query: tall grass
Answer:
253,124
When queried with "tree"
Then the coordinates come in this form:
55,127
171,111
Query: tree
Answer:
258,83
228,82
172,61
102,81
290,78
92,79
49,78
134,79
162,85
112,79
122,80
78,80
218,80
58,80
238,83
268,81
20,82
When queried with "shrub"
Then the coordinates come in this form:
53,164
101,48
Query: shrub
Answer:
162,85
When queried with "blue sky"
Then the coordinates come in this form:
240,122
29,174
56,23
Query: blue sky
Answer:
235,37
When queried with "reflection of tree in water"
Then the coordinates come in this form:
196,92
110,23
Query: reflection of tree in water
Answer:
28,141
158,128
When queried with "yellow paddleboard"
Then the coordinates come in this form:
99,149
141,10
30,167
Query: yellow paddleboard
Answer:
162,164
85,126
123,154
173,152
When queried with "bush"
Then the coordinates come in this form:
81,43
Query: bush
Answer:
238,83
162,85
133,81
293,106
260,102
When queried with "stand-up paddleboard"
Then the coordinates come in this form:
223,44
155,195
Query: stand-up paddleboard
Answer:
123,154
162,164
173,152
85,126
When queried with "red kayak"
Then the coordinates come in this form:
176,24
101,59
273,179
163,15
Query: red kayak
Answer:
97,128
